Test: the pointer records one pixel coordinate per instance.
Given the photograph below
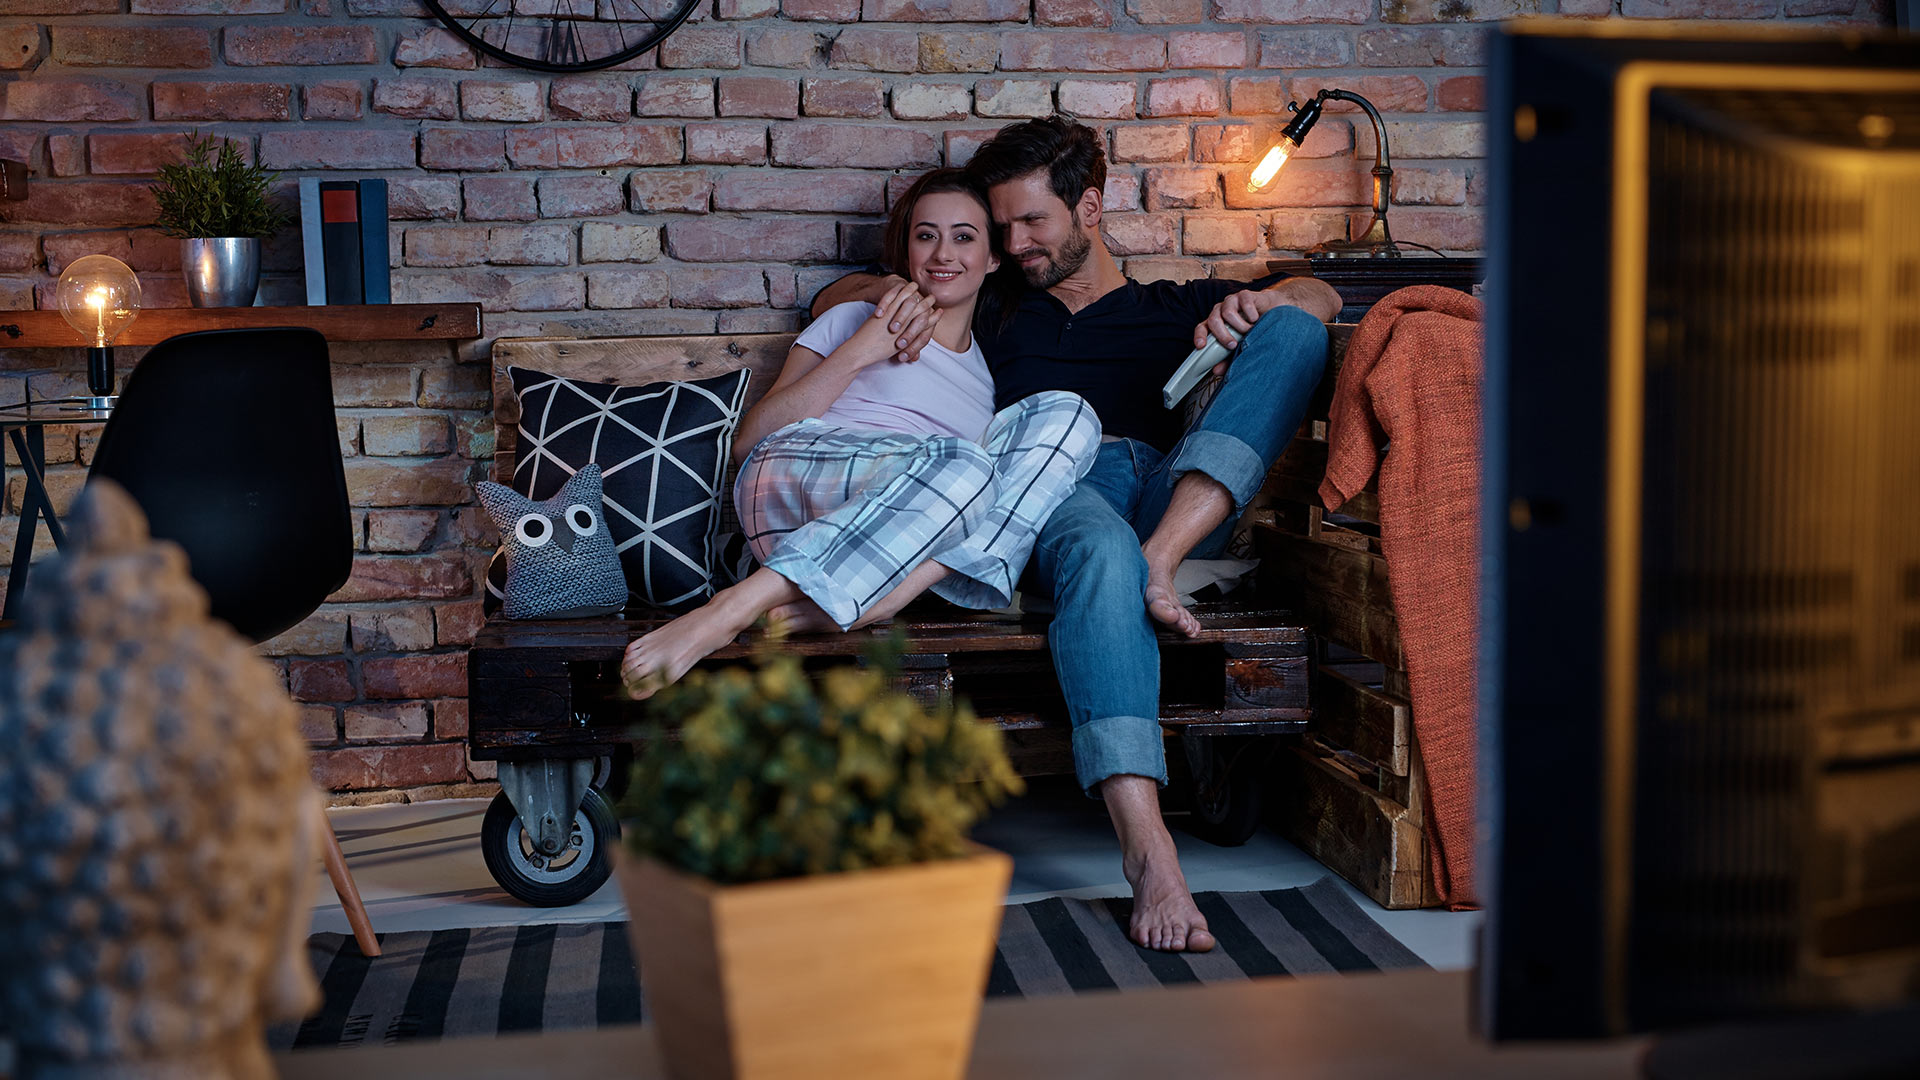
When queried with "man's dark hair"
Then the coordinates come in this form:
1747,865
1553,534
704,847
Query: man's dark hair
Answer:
1069,151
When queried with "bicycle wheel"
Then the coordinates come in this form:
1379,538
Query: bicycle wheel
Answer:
562,35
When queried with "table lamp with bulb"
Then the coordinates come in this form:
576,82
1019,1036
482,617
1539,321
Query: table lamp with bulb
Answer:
1377,240
99,296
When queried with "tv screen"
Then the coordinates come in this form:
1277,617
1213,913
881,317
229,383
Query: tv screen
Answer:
1701,577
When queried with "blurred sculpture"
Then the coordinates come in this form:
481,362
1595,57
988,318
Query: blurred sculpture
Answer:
156,821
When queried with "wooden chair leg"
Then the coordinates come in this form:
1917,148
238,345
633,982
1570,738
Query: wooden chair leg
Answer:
348,892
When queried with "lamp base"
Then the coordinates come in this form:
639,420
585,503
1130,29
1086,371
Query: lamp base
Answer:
100,381
1375,243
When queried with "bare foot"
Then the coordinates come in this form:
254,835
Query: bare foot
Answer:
1164,915
656,660
802,617
1165,607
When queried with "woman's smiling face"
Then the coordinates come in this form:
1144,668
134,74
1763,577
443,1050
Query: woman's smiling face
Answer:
948,249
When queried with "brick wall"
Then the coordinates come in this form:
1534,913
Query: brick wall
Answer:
714,186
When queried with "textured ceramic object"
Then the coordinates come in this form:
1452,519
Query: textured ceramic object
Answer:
221,271
156,821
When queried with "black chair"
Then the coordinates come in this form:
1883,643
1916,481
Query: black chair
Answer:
226,439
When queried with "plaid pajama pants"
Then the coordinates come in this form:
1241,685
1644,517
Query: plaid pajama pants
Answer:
846,514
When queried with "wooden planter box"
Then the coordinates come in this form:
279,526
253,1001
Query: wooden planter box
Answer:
871,973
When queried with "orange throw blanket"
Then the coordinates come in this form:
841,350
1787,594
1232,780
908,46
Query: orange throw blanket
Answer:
1413,373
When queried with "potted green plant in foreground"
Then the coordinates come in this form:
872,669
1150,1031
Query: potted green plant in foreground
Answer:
804,900
217,205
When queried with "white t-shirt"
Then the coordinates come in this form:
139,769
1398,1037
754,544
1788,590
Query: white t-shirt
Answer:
942,393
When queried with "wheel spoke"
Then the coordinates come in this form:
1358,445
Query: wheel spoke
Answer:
483,14
613,5
573,34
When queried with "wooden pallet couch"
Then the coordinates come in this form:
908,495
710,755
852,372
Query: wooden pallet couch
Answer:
545,697
1351,791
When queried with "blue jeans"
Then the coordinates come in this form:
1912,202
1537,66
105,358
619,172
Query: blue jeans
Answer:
1088,554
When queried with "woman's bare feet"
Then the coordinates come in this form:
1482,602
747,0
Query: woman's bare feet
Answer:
656,660
801,617
1163,603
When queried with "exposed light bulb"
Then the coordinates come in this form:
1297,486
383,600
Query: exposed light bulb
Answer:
99,296
1269,166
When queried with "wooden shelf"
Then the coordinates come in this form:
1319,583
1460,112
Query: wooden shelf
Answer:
339,322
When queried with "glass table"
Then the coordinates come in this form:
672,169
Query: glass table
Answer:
25,425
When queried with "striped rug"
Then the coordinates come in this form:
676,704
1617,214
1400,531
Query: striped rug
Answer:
448,983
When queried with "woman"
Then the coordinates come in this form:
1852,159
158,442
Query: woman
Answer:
869,479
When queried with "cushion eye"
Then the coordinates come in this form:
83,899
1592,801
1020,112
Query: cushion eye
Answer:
582,520
533,529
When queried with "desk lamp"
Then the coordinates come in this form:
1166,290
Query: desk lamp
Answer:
1377,241
99,296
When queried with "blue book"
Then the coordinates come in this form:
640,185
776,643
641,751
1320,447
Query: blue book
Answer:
376,278
311,244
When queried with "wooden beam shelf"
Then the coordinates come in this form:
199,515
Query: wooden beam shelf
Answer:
339,322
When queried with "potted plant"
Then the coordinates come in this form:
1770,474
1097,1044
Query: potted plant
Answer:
217,205
802,893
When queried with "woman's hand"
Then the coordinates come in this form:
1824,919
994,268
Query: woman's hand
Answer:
901,325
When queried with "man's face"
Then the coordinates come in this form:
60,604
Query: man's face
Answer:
1043,235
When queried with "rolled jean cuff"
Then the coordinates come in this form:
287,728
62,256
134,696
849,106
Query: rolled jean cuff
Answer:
1116,746
1237,466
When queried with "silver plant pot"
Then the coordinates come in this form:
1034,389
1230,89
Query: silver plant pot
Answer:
222,271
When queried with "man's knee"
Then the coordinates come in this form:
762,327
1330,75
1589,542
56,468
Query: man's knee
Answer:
1291,337
1099,551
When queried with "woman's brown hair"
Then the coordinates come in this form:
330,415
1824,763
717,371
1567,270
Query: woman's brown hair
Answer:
900,222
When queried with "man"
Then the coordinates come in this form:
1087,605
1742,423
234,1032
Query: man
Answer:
1156,494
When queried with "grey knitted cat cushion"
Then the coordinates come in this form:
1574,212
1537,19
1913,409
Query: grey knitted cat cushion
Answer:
560,557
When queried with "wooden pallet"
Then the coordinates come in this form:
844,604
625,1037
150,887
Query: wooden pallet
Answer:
551,688
1353,793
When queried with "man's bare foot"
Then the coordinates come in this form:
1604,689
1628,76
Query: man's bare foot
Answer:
1164,605
656,660
1164,915
802,617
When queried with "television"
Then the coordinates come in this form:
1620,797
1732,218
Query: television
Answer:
1700,622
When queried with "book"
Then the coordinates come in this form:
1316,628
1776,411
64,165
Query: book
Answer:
340,240
376,273
316,264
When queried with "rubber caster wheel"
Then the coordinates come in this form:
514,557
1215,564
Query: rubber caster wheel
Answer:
1228,797
534,878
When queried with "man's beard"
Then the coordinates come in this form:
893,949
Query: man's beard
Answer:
1073,255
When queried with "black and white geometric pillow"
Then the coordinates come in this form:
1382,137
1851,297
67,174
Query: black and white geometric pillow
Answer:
662,451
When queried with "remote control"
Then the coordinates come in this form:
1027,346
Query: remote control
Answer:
1194,370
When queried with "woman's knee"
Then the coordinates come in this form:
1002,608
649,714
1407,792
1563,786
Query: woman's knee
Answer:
1072,425
965,467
